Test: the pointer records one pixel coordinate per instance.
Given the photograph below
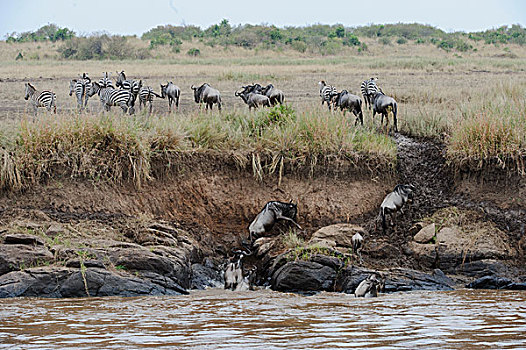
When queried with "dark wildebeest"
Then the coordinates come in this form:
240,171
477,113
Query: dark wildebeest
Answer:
347,101
370,287
270,214
357,243
252,99
234,270
383,104
394,201
275,95
208,95
173,93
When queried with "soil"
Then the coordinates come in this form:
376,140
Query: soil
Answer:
215,199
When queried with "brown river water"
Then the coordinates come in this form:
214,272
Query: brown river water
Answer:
217,319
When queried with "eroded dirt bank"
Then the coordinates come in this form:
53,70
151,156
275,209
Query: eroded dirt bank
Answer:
174,232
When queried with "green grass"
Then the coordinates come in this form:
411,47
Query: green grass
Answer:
120,148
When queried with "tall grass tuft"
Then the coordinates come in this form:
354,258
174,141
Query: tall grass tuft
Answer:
493,133
118,148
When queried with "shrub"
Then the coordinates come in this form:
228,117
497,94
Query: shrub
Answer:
193,52
401,41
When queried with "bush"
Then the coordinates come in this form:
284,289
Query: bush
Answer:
193,52
351,40
49,32
101,47
385,41
401,41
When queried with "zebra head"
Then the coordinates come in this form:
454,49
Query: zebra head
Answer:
30,90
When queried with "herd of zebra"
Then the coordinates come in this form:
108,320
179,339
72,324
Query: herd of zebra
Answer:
254,96
373,96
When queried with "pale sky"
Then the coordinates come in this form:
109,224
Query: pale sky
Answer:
138,16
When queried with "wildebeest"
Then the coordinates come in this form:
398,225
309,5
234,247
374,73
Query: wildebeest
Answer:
270,214
208,95
275,95
173,93
357,243
394,201
383,104
370,287
252,99
347,101
234,270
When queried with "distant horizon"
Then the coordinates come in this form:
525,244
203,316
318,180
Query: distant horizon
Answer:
4,36
135,17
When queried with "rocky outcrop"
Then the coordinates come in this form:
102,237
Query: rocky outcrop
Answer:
495,282
396,280
65,282
336,236
95,267
456,248
303,276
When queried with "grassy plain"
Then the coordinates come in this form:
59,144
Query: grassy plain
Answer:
473,101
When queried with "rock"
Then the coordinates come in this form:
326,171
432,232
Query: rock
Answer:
20,256
263,245
424,254
86,263
480,268
303,276
456,247
382,250
54,230
206,277
401,279
336,236
20,238
489,282
425,235
396,280
415,228
64,282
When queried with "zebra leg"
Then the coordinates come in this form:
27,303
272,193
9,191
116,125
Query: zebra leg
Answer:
150,112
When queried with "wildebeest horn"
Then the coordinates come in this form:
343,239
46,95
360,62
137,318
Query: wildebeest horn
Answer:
192,87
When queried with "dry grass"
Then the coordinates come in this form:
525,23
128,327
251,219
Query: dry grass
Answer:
474,102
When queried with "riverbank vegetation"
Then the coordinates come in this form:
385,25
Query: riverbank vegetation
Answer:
471,99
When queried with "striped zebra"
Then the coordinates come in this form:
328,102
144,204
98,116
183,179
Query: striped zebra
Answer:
105,81
369,89
81,88
134,86
44,98
146,94
112,97
327,92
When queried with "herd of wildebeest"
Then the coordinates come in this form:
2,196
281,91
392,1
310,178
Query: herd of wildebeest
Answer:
125,92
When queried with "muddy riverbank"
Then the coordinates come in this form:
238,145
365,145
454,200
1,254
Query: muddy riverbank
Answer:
72,238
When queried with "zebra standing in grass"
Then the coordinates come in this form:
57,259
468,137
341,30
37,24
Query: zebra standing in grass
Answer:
45,98
134,86
369,89
105,81
146,94
112,97
327,92
81,87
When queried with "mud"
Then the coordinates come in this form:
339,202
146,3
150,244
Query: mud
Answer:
212,198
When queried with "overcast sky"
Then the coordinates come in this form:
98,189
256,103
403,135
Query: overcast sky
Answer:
138,16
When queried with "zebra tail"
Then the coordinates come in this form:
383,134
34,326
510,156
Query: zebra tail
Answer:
54,102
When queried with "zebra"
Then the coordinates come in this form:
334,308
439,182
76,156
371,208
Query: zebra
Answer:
81,88
105,82
112,97
133,86
327,92
45,98
369,89
146,94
